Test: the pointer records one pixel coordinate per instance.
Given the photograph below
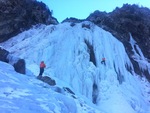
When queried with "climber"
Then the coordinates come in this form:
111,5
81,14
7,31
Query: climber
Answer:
103,61
42,66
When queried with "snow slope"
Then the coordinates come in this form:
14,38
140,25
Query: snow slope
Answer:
23,94
67,51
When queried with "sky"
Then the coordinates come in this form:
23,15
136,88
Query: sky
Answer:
66,53
81,9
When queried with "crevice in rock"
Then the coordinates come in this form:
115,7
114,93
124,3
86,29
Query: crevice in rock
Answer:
91,52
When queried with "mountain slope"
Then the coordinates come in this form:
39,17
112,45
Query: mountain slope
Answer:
73,55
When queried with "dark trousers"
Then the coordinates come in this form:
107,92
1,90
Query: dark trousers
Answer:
41,71
103,62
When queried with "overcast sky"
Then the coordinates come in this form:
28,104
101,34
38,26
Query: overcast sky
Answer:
81,9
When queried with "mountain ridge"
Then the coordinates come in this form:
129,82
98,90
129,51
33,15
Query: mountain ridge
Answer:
127,19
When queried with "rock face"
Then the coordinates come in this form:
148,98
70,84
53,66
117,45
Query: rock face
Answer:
130,19
20,15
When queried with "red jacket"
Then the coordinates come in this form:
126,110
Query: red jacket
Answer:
42,65
103,59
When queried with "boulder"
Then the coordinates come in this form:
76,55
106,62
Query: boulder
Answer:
20,66
47,80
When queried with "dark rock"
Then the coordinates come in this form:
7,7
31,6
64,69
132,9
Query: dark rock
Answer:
47,80
68,90
86,26
3,55
20,15
72,20
20,66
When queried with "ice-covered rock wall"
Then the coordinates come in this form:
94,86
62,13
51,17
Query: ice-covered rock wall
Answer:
73,54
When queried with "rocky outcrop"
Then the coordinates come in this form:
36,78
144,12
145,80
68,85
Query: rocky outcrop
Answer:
20,15
18,64
72,20
3,55
130,19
